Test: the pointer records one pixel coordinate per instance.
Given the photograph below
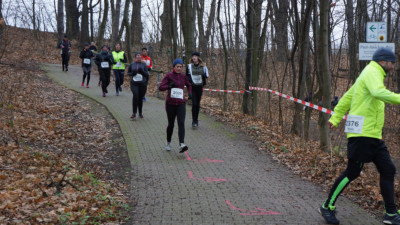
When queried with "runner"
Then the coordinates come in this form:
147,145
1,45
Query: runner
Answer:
104,61
93,47
119,68
197,74
366,101
140,76
175,105
86,56
149,63
65,46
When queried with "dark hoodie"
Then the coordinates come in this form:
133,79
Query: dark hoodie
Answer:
104,57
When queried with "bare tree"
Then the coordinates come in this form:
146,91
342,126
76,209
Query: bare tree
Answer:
125,23
166,21
186,19
102,28
72,14
281,25
85,22
136,23
115,14
302,35
255,51
221,30
324,78
204,37
60,19
237,23
2,23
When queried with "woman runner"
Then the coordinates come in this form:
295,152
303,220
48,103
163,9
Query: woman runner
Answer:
175,103
139,78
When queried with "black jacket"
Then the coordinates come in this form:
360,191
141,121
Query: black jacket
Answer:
104,57
67,46
138,68
86,55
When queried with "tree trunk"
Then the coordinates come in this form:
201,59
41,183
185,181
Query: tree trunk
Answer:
115,14
255,52
85,22
237,23
221,30
166,21
362,16
325,78
125,23
60,19
352,43
103,23
304,64
136,23
281,26
186,19
72,15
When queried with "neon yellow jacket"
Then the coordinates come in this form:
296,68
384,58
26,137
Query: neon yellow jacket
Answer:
367,97
118,57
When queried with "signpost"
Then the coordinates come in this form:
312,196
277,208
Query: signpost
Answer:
366,50
376,32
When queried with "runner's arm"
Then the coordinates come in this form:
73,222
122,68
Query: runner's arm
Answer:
164,84
377,89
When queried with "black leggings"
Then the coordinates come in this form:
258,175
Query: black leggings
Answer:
65,59
197,92
105,79
174,111
381,158
86,73
137,100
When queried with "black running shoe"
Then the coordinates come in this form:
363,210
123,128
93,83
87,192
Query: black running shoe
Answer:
329,215
183,148
392,219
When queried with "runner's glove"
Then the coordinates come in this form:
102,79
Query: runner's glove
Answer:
190,96
171,85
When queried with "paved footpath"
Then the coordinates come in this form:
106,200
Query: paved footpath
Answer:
223,179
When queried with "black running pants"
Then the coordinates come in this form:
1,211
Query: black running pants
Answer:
179,112
197,92
137,100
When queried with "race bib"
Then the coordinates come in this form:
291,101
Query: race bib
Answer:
86,61
138,77
104,65
197,79
119,64
354,124
148,62
177,93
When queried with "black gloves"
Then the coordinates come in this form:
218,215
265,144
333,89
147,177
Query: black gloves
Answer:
190,96
171,85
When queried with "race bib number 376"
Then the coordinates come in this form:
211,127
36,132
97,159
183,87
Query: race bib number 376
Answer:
354,124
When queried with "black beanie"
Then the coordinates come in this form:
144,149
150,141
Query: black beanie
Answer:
196,54
384,54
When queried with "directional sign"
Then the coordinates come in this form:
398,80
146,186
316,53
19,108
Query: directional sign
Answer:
376,32
366,50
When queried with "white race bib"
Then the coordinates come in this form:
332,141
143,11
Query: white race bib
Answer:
354,124
104,65
197,79
177,93
119,64
138,77
86,61
148,62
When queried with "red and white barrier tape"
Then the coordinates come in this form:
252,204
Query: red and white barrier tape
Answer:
228,91
308,104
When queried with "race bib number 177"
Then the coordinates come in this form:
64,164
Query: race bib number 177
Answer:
354,124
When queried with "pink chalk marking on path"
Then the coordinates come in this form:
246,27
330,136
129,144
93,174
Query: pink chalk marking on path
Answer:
206,179
202,160
256,212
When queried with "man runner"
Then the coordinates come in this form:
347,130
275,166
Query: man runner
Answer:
366,101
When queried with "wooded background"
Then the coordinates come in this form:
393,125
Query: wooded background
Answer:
293,46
